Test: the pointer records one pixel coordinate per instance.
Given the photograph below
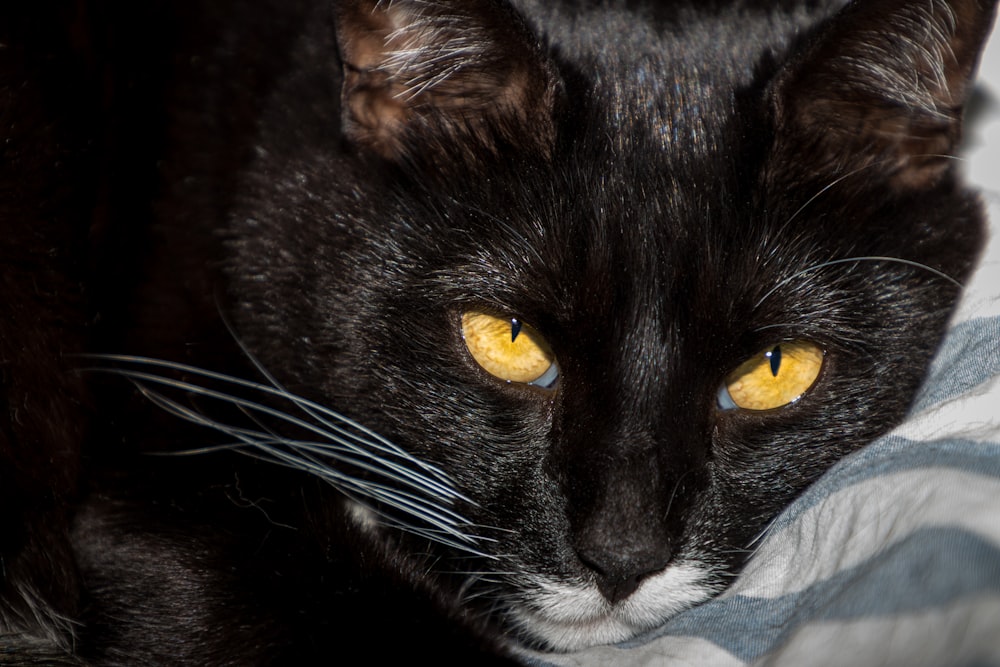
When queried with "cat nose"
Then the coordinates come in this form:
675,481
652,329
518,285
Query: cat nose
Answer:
620,572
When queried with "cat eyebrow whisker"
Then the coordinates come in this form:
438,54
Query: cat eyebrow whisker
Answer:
835,182
854,260
872,165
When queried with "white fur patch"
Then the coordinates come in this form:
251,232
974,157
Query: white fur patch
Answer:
362,516
567,617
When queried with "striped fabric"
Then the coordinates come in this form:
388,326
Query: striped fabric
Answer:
893,557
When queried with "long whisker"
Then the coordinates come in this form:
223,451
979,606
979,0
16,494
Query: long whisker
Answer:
826,188
309,407
850,260
250,438
418,489
829,186
140,376
873,165
315,410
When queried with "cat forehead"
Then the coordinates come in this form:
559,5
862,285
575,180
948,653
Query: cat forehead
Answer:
593,240
671,70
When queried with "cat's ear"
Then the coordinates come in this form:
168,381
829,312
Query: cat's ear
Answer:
885,84
452,77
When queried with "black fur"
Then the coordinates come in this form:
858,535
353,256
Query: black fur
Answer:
269,190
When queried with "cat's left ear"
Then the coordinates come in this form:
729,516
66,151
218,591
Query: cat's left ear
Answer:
450,78
886,84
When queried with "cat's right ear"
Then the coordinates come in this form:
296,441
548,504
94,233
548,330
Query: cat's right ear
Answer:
443,80
884,85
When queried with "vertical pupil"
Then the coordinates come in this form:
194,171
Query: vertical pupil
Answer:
775,357
515,328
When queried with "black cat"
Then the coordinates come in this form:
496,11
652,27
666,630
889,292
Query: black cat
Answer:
595,289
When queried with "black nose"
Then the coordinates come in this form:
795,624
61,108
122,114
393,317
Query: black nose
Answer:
619,571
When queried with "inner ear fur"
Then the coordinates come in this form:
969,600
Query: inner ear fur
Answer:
430,77
885,83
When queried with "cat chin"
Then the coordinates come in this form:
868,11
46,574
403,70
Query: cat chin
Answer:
561,616
568,617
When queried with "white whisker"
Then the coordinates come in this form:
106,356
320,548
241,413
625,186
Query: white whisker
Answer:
412,488
311,408
873,165
315,411
854,260
140,376
433,513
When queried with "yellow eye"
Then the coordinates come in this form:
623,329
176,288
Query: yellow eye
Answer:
777,376
509,349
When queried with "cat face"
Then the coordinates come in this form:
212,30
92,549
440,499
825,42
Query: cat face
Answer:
617,304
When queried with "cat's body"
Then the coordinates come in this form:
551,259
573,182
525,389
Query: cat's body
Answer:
660,193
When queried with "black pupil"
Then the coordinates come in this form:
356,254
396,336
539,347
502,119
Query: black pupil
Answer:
775,356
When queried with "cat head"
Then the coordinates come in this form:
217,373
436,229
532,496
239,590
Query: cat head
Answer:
618,286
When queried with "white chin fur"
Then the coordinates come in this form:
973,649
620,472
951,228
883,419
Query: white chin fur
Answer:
567,617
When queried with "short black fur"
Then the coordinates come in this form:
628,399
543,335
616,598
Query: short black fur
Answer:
305,197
